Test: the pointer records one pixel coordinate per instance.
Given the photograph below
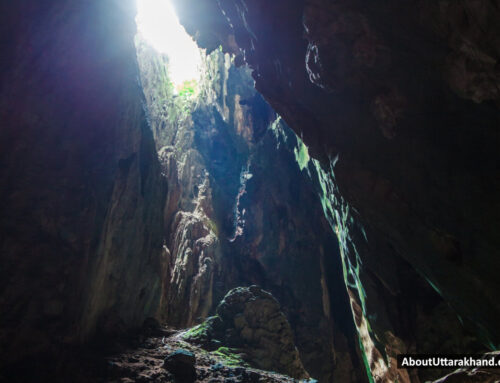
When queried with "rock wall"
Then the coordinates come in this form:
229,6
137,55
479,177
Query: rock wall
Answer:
191,233
288,248
235,213
399,104
81,223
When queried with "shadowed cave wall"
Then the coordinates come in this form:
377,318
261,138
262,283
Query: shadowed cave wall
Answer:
81,234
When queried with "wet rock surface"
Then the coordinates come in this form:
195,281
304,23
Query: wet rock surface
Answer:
250,321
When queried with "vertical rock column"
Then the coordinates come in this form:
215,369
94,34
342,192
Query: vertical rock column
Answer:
81,221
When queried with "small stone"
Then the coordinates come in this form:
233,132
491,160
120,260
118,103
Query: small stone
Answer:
181,364
217,366
239,370
253,376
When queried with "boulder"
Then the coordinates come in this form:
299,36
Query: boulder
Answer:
250,322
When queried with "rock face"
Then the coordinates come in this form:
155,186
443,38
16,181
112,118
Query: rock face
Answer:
389,113
288,249
81,223
249,321
191,233
231,221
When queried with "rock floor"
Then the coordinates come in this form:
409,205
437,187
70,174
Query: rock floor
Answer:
144,363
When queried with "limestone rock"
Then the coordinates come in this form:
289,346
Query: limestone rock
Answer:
403,122
216,153
81,221
250,320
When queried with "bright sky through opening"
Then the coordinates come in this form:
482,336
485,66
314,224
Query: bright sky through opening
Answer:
159,26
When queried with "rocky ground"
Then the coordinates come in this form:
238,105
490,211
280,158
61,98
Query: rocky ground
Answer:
249,330
155,354
184,363
249,334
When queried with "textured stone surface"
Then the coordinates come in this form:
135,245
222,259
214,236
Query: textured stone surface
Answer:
399,103
288,249
191,237
232,221
139,356
81,223
181,363
250,321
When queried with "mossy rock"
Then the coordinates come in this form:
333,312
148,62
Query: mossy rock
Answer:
205,334
230,356
250,328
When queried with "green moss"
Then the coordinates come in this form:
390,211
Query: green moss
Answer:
301,154
230,356
276,128
169,109
188,89
339,217
365,361
338,214
196,332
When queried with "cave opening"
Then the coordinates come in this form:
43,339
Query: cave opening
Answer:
158,24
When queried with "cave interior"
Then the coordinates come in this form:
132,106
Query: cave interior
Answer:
248,191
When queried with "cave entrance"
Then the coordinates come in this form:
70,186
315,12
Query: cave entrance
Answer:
159,26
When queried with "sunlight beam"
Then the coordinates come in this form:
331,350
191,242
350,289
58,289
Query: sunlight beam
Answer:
159,26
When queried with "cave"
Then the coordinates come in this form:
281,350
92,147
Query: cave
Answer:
271,191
